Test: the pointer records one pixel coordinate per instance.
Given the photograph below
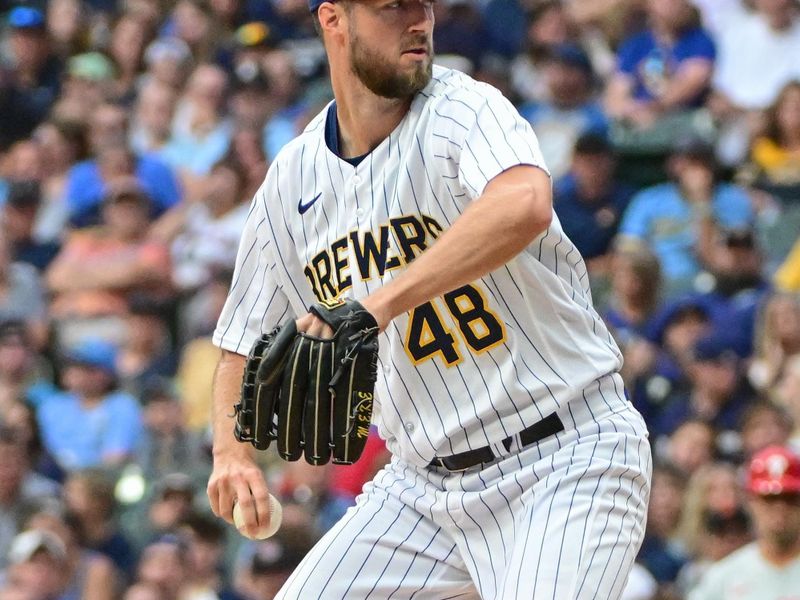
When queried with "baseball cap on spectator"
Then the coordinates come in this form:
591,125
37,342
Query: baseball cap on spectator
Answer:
713,348
571,55
91,66
94,352
255,34
26,544
592,143
674,312
26,17
168,48
773,471
695,148
174,483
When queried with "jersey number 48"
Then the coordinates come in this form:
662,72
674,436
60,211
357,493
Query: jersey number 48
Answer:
479,328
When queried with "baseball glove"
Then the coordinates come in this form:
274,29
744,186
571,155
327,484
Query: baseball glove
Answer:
312,395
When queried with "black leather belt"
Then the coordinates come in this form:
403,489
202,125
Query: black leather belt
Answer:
548,426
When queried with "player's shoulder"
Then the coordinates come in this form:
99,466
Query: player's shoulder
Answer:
450,89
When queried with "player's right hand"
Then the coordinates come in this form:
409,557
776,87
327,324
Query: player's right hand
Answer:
236,478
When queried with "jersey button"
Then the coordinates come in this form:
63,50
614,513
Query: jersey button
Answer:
387,368
409,427
355,179
360,213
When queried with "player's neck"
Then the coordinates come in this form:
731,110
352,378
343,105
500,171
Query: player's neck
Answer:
364,118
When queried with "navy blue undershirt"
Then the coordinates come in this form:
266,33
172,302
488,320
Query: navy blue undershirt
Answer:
332,137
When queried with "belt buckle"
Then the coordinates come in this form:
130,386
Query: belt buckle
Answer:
439,462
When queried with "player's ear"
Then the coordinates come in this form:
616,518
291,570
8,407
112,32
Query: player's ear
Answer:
330,19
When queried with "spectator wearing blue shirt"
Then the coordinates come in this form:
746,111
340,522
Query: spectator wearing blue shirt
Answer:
678,219
571,108
589,201
663,73
91,424
87,181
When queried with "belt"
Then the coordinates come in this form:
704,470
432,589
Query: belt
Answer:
548,426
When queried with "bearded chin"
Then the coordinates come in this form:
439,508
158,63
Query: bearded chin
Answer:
381,80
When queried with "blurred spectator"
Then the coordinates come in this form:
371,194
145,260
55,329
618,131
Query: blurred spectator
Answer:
166,445
786,393
660,364
774,165
570,108
201,131
787,278
777,337
204,236
37,565
634,303
89,575
18,217
768,568
146,351
289,106
126,48
169,506
250,102
99,269
21,294
62,144
764,424
142,591
67,26
266,565
720,534
21,490
152,120
733,285
459,31
88,83
691,445
168,60
714,492
718,395
89,498
32,77
205,539
755,55
192,21
660,554
246,150
87,183
589,201
21,378
662,78
164,565
91,423
678,219
548,24
348,480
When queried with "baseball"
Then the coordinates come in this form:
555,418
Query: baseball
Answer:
275,518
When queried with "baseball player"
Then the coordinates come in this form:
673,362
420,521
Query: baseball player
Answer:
519,469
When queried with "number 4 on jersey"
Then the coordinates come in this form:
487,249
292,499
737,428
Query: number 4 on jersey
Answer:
428,335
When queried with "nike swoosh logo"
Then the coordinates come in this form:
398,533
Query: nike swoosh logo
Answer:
304,207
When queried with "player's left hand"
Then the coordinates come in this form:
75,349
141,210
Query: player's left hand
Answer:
313,325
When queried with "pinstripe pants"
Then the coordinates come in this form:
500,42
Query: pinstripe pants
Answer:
561,519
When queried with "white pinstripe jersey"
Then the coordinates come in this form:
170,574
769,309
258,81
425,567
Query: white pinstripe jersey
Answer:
464,370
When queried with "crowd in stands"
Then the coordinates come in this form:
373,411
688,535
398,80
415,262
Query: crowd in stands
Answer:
133,135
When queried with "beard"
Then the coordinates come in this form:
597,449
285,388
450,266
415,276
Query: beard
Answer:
379,77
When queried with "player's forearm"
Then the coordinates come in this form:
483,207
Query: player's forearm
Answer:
490,232
226,392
